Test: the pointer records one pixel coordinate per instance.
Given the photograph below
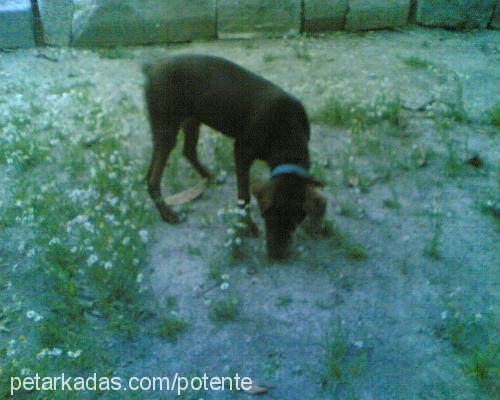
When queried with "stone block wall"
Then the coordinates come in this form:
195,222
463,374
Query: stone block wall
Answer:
106,23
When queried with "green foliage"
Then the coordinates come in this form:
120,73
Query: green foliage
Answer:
225,310
417,62
355,252
343,361
359,115
494,115
171,327
476,339
87,224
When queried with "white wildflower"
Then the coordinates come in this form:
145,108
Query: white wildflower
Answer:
74,354
92,259
143,235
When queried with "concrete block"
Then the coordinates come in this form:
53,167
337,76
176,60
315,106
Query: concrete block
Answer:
16,24
376,14
56,17
107,23
325,15
456,14
249,18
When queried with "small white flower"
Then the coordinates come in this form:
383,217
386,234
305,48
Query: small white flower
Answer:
107,265
224,286
139,277
92,259
55,352
225,277
109,217
143,235
30,314
444,314
74,354
54,240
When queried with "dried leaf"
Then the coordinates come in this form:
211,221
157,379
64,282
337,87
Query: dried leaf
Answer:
354,181
187,195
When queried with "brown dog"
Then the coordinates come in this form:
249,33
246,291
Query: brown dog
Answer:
266,122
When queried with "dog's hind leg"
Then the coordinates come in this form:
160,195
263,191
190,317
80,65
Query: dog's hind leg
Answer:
164,139
191,128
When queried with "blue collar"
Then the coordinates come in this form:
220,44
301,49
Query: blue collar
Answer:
283,169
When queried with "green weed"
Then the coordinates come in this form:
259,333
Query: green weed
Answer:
432,250
494,115
225,310
170,327
355,251
417,62
343,361
283,301
475,339
359,115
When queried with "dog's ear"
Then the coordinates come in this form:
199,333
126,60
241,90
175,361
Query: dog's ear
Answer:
314,182
263,192
314,205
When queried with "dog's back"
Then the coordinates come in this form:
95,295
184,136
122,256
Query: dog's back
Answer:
213,90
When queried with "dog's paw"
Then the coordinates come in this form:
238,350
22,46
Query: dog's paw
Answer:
170,217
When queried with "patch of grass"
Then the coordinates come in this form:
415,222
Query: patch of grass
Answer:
283,301
417,62
494,115
225,310
355,251
359,115
475,338
393,201
490,207
171,327
348,210
83,218
269,57
432,250
447,111
301,51
343,362
346,283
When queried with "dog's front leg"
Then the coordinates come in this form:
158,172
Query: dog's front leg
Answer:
243,163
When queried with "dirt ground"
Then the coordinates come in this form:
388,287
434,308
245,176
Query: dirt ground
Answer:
426,257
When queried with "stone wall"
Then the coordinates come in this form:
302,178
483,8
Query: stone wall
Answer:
94,23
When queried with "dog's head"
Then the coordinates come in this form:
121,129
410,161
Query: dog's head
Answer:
284,202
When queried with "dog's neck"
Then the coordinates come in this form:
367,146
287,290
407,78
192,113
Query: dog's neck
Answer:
284,169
